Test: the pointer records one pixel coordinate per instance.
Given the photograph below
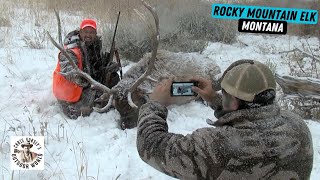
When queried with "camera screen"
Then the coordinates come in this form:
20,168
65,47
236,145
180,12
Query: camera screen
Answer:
182,89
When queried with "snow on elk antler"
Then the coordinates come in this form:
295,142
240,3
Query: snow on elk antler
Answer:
110,92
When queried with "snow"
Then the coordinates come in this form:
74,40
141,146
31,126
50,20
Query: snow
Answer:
96,142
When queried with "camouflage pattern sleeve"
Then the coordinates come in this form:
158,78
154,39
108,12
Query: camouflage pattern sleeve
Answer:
174,154
258,143
66,67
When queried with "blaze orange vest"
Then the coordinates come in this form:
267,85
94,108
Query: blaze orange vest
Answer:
62,88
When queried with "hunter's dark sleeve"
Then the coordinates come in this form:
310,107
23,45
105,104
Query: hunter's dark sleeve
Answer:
174,154
112,67
67,69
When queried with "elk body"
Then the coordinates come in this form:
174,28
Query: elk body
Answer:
180,65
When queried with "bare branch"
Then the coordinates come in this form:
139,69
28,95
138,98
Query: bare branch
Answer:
313,64
301,68
303,52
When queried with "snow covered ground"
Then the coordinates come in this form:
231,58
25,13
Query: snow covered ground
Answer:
95,143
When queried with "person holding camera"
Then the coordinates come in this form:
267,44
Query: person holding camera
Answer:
251,139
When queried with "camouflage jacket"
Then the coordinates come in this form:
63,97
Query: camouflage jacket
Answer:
262,143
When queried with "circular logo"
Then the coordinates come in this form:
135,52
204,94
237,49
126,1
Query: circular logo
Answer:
27,152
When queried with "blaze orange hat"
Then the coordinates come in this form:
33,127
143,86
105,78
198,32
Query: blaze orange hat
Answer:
88,23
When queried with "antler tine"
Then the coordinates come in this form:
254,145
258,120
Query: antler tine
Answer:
59,25
62,51
151,66
130,102
104,109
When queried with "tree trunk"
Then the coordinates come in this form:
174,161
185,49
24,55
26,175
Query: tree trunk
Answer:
304,87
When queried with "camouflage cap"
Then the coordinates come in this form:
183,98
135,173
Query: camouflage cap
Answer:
247,80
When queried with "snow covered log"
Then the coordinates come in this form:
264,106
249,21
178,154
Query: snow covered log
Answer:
303,87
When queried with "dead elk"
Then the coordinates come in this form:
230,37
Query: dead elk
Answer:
180,65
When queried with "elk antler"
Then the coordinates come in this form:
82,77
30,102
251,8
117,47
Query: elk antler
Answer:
86,76
59,25
155,44
106,108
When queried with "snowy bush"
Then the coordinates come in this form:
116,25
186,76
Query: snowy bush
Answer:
272,66
35,41
304,63
4,22
199,25
306,108
4,17
132,40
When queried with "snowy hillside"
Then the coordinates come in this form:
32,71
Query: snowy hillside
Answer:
94,147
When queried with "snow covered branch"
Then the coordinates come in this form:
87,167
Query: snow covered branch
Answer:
303,52
304,87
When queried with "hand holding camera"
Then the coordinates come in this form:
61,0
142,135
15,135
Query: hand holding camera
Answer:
167,89
183,88
204,89
161,93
